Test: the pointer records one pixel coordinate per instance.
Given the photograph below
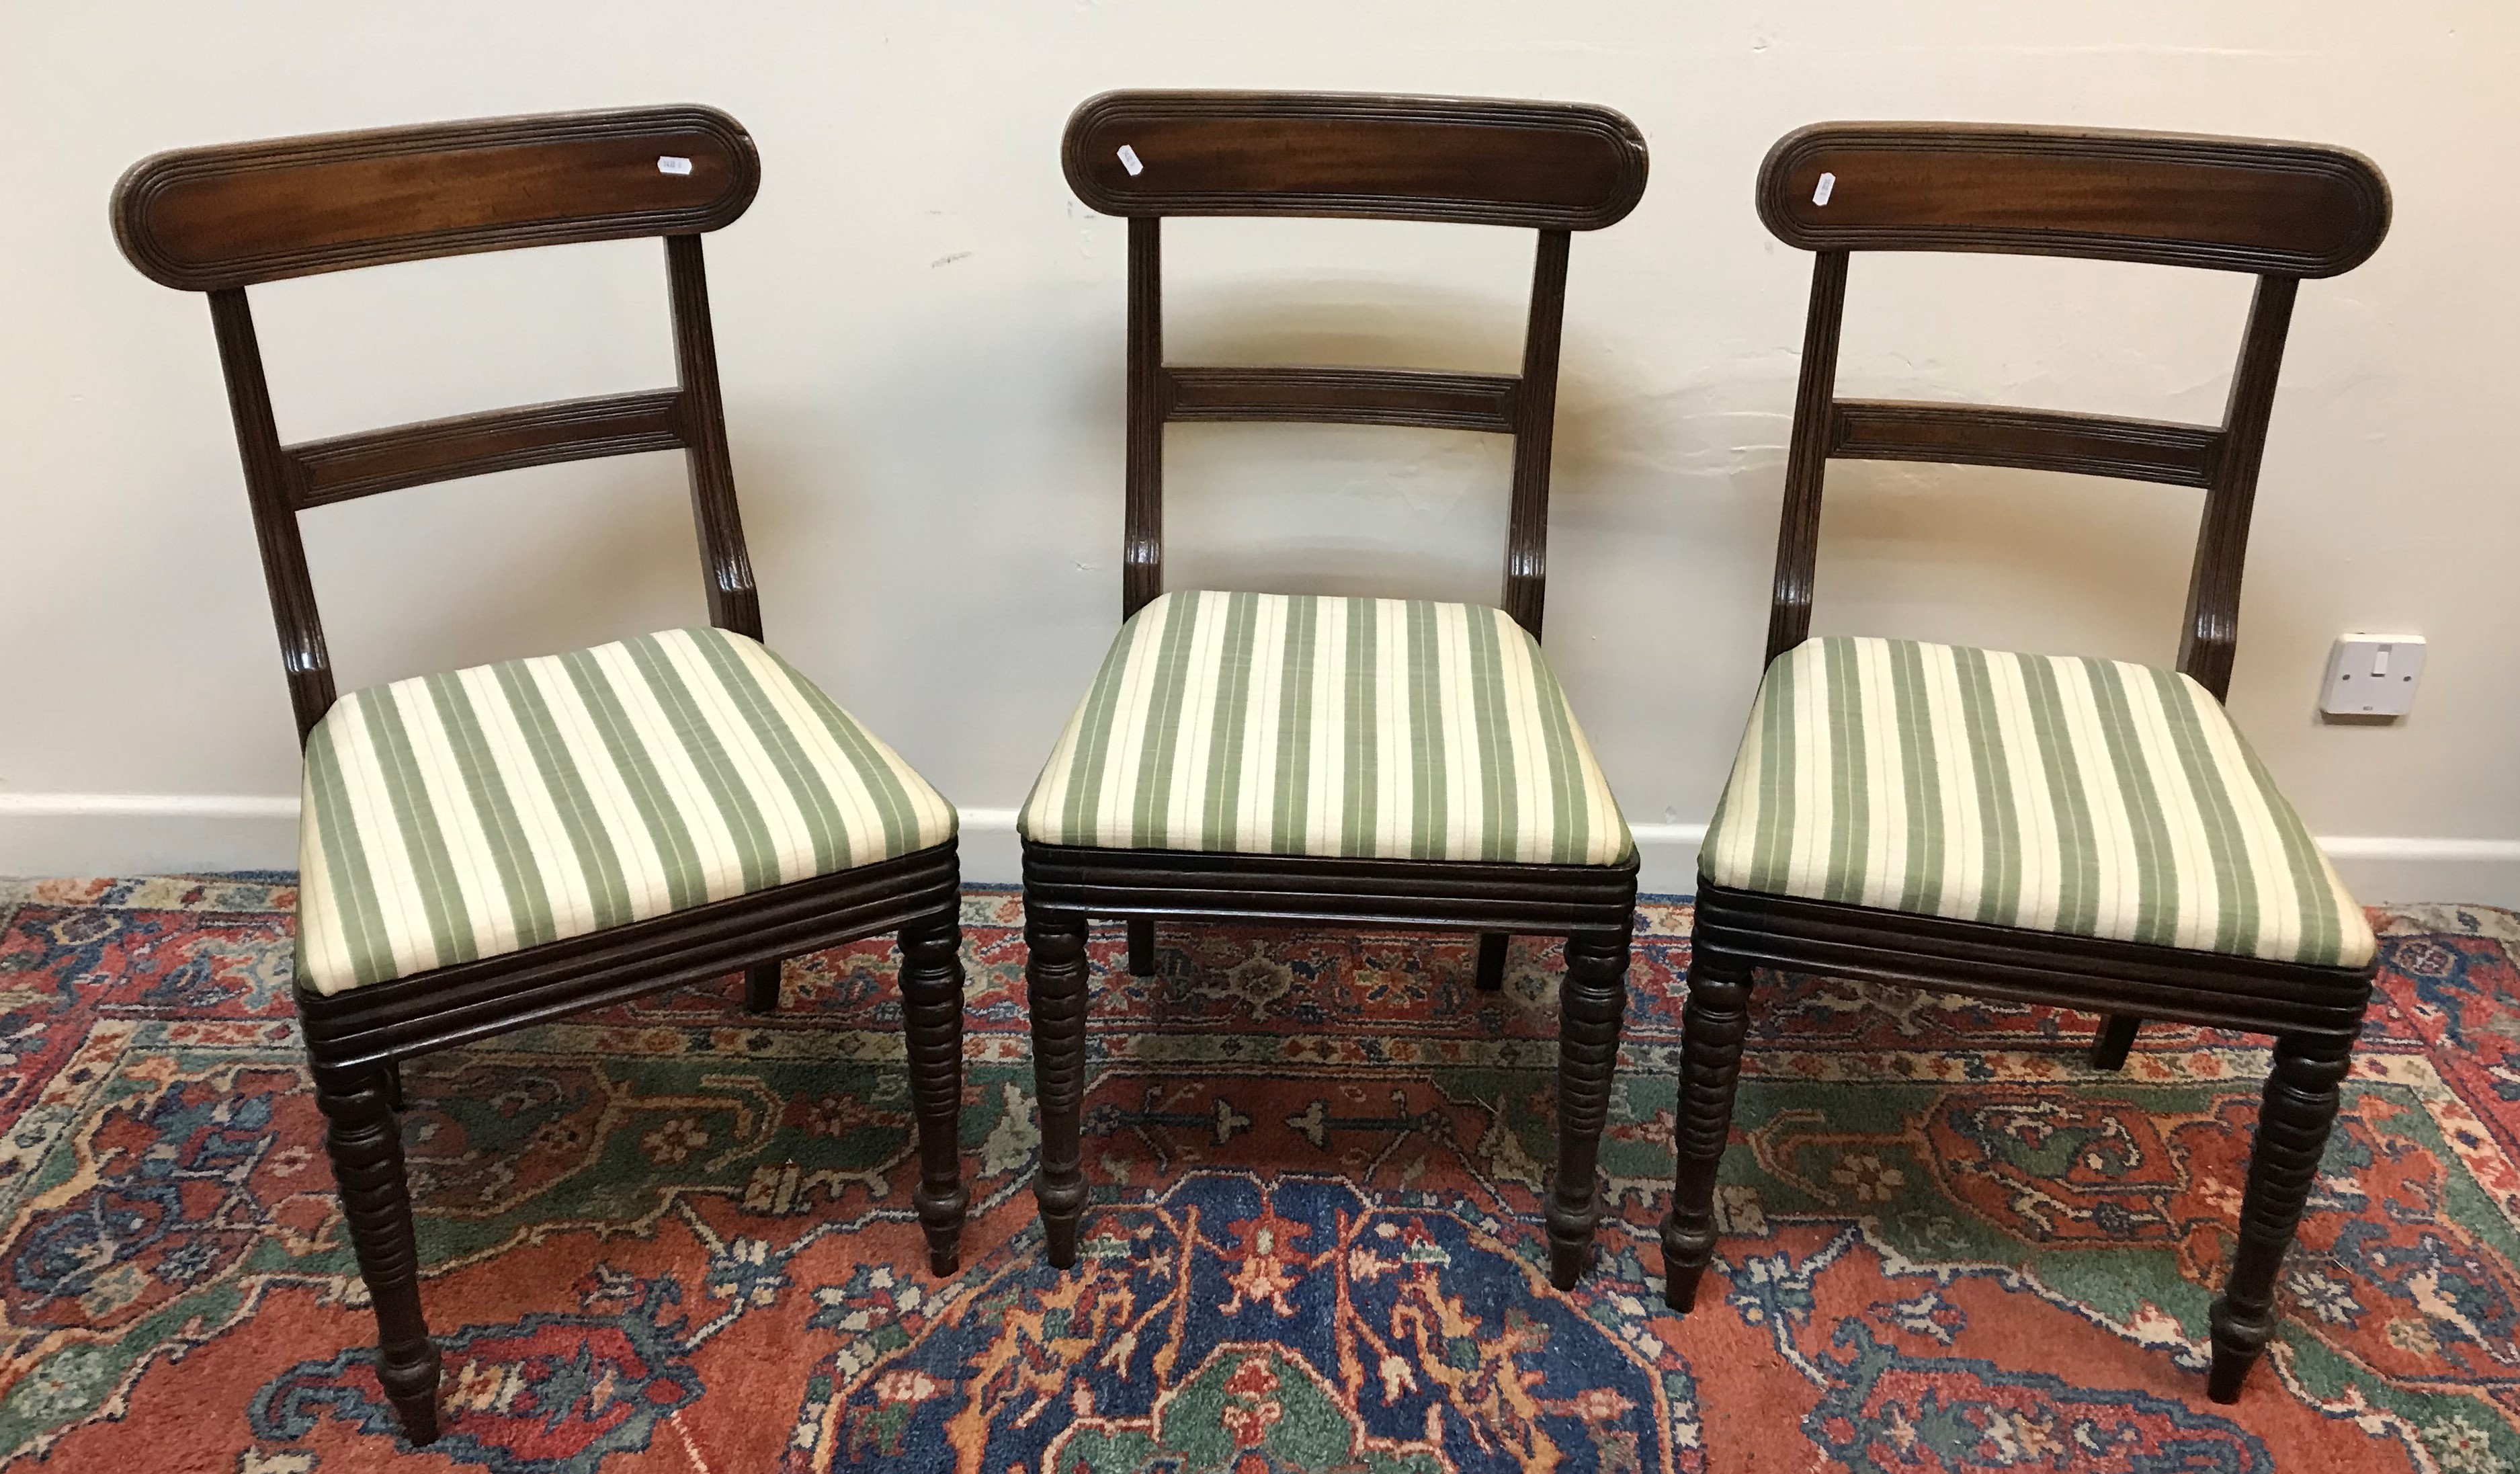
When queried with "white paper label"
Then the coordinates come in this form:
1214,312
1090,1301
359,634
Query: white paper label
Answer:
1129,160
1827,182
670,164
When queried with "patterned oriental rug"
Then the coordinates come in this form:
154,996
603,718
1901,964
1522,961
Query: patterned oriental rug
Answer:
676,1237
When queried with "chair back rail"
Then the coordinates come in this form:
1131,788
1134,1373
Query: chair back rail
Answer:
2281,210
2167,198
224,219
1455,160
1554,168
241,214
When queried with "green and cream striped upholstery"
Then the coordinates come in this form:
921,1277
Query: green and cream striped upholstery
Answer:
2065,795
467,815
1280,724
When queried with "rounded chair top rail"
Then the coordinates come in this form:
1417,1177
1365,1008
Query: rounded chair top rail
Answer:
1453,159
234,214
2167,198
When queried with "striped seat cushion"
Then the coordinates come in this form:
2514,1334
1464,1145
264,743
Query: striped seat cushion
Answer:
2086,797
465,815
1278,724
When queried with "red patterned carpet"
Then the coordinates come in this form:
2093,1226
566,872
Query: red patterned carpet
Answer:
675,1237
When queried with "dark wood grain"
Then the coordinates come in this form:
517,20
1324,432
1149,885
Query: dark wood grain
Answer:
1343,397
1056,975
733,603
2222,460
1142,548
1713,1024
425,1012
1466,160
2283,210
282,480
1592,1002
2294,1117
1551,167
1535,429
761,987
270,486
2319,1010
2171,200
217,219
2116,1037
2210,635
2027,439
2092,974
365,1143
350,466
1807,458
1443,895
235,215
931,1007
1309,154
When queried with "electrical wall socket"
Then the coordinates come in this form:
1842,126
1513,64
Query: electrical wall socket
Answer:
2372,675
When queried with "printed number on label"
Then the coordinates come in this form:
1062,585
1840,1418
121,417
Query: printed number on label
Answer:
672,163
1827,182
1129,160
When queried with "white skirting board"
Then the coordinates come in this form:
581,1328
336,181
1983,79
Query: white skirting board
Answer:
2483,872
143,834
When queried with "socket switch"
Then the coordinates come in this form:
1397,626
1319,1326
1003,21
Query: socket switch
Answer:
2372,675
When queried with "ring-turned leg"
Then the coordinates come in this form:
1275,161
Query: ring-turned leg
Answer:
1054,975
1711,1028
366,1146
2293,1121
931,999
761,987
1141,947
1492,946
2116,1037
1592,1002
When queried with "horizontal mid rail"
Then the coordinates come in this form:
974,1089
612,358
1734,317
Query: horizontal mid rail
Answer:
501,440
1344,397
2031,440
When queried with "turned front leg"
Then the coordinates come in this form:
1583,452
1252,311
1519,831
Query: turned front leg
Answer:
931,999
2303,1092
1591,1003
1054,977
365,1143
1711,1028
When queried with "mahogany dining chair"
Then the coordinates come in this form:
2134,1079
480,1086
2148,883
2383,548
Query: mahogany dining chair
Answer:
1284,758
2086,834
500,846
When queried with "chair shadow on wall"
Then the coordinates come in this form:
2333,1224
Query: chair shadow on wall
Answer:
1443,492
625,554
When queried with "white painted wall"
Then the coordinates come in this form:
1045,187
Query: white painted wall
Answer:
922,345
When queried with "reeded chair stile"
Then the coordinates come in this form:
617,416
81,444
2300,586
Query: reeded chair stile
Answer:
1239,756
497,846
2086,834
